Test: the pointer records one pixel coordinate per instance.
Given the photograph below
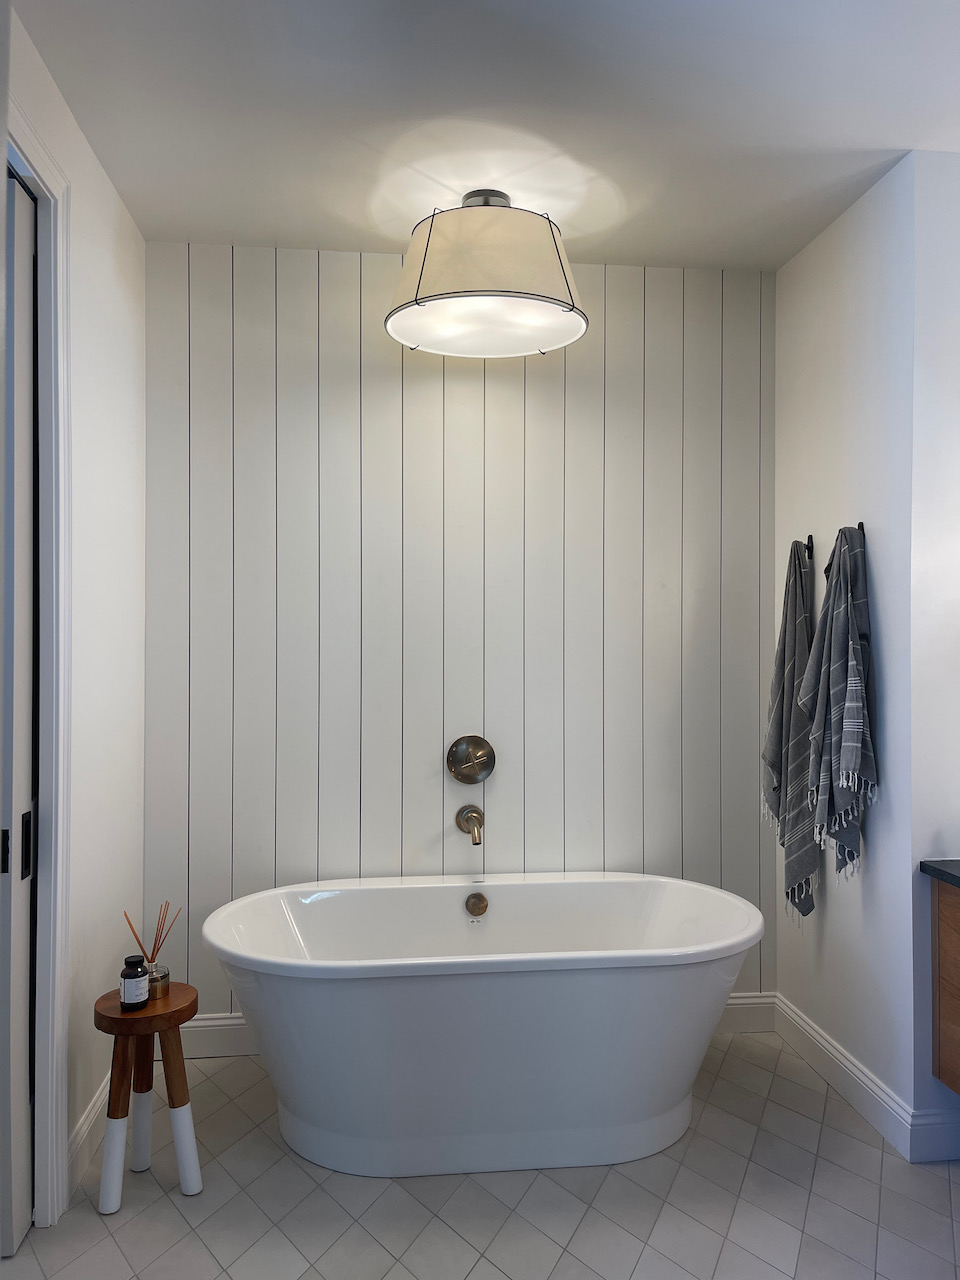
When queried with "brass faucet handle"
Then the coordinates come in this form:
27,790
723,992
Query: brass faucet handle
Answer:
471,759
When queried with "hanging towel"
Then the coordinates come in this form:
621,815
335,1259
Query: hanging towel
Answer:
842,774
786,751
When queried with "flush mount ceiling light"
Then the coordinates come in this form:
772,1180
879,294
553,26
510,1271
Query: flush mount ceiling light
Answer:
488,281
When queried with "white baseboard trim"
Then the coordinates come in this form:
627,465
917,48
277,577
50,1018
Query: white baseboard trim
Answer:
887,1112
86,1137
217,1035
749,1011
932,1134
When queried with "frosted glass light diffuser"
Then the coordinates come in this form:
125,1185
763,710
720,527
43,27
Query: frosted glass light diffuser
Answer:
486,281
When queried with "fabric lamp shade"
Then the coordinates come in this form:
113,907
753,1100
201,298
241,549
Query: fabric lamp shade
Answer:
486,281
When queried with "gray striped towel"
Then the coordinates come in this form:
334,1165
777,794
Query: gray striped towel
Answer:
842,776
786,751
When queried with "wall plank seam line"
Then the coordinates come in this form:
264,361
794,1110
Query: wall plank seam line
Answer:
523,632
683,459
483,597
403,596
186,905
760,600
603,594
563,628
442,745
360,520
443,604
320,604
276,558
723,423
233,569
643,593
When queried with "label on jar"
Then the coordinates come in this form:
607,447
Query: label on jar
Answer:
134,990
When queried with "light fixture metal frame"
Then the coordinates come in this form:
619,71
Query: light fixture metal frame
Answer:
417,301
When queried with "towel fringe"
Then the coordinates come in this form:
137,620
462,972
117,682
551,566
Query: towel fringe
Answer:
850,780
848,861
798,900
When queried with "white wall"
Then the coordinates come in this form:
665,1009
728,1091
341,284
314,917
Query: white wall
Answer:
106,415
565,554
935,565
843,454
868,400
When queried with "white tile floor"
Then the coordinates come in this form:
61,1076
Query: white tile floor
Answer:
777,1177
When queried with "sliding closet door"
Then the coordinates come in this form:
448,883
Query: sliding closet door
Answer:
17,707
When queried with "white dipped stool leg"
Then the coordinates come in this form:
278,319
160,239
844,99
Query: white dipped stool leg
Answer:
111,1172
181,1113
114,1142
185,1145
142,1102
142,1108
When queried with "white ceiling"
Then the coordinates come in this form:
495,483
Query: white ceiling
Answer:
659,131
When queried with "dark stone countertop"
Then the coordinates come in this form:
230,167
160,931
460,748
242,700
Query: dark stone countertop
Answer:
948,870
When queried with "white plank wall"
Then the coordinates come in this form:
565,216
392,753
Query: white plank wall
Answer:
254,569
340,573
740,698
503,652
769,849
381,489
210,656
543,643
623,571
583,532
700,587
167,655
423,556
662,570
463,589
298,564
357,553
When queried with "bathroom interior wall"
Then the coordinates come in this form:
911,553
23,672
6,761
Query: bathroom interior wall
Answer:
356,553
844,422
104,416
935,554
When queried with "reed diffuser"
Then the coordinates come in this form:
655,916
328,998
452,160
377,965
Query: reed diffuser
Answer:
159,973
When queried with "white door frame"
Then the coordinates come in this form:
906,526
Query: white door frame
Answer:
29,156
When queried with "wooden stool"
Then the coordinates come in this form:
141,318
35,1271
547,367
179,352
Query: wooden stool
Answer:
133,1055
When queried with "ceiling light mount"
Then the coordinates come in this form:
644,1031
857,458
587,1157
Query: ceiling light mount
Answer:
487,196
486,281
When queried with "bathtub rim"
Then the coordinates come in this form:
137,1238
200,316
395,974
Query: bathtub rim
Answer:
506,962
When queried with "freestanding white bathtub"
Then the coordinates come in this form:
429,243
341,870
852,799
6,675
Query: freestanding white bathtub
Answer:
563,1027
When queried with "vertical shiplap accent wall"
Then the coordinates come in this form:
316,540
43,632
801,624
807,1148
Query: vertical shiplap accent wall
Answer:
662,571
357,553
298,564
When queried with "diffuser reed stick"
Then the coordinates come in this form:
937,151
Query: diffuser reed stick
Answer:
172,923
143,949
160,934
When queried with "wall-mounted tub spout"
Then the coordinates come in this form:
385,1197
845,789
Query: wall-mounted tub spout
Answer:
470,819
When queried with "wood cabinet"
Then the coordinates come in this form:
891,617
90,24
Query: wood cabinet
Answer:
946,982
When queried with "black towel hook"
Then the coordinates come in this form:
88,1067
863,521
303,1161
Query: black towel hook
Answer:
809,546
860,525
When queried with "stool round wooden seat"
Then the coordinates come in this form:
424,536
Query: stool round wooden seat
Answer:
133,1060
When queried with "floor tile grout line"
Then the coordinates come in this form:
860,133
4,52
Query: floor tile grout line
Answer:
876,1225
258,1126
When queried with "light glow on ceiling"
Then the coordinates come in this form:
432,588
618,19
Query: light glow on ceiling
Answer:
432,165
